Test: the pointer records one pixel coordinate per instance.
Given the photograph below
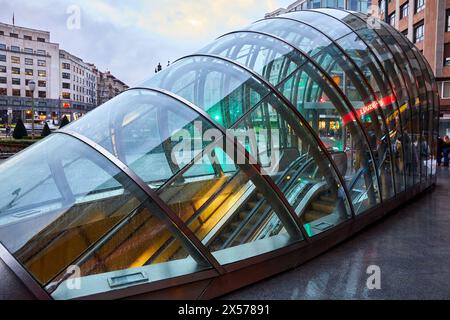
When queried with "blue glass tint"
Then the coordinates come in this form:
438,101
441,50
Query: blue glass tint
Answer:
223,90
67,205
270,58
303,36
153,134
336,29
231,209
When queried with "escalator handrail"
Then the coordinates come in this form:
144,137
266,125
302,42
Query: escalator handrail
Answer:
260,202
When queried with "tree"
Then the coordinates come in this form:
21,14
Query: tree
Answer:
20,131
46,131
64,122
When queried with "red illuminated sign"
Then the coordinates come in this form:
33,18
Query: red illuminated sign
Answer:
368,108
66,105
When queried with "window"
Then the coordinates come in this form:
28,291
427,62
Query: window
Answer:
392,19
28,72
15,70
28,37
447,55
66,95
66,75
2,33
15,59
42,94
420,5
3,92
16,81
41,52
447,27
2,46
2,79
28,93
418,33
27,82
2,57
42,73
28,50
42,63
2,69
66,85
40,39
42,83
66,66
15,48
405,33
29,61
446,90
16,92
13,35
404,10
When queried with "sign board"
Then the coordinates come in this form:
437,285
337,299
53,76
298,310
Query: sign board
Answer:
66,105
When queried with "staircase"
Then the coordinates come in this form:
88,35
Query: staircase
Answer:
322,206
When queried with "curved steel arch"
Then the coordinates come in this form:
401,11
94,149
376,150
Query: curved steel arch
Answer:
361,74
295,111
386,74
403,75
253,163
342,94
408,85
426,77
151,195
330,80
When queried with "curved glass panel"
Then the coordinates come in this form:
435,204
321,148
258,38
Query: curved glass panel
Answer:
145,130
336,63
424,83
413,123
56,214
223,90
334,28
298,167
233,211
401,88
348,146
268,57
305,37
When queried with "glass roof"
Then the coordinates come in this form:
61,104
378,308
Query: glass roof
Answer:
265,138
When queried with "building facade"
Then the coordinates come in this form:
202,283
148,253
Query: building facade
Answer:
65,84
109,87
355,5
427,24
27,54
78,85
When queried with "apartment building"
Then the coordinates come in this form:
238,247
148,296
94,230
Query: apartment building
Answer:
109,86
427,24
65,84
355,5
78,84
27,54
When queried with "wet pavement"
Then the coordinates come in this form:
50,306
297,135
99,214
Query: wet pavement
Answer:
411,247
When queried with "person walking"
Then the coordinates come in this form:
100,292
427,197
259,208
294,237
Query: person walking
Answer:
440,144
446,150
8,130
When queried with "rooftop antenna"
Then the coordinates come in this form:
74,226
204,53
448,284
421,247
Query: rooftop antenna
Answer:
13,20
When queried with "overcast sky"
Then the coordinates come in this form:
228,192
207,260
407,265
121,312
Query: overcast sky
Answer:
130,37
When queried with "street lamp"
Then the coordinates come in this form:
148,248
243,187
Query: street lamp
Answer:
32,86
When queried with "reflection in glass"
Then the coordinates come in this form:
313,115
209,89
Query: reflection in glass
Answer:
281,62
230,208
144,129
55,212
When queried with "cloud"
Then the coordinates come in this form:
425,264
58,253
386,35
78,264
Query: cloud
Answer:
129,38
